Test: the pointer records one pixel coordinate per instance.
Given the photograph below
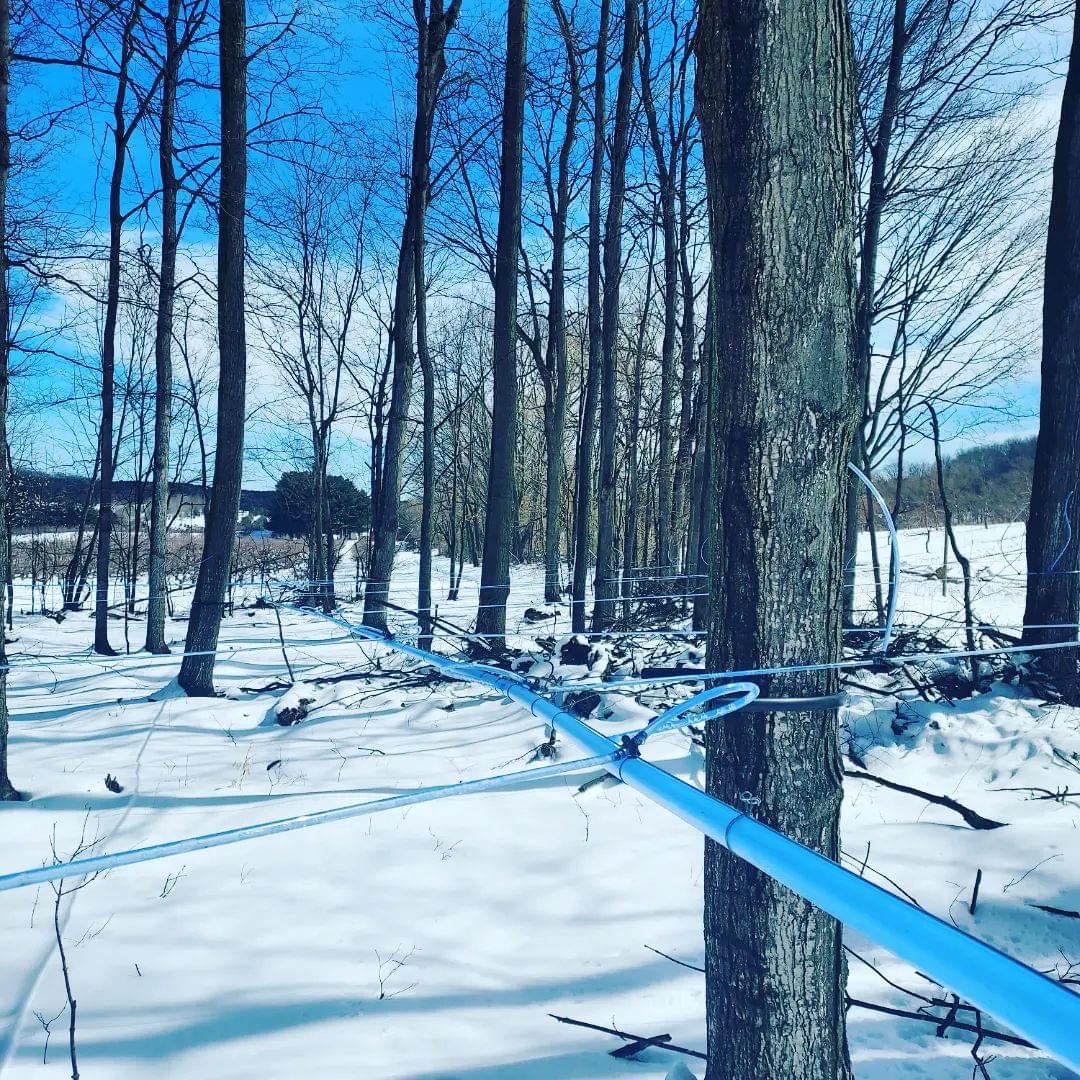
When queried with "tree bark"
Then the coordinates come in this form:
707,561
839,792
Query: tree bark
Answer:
775,99
604,586
1053,529
163,373
501,514
197,671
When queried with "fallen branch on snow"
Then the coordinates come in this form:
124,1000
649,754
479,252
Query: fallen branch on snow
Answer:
976,821
637,1043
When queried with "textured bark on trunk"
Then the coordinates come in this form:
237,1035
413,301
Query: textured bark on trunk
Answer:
163,372
605,589
501,513
432,29
1053,530
775,98
587,433
197,671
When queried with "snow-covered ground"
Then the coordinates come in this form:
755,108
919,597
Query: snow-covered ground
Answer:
434,941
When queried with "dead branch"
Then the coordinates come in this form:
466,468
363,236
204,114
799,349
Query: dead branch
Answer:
642,1041
976,821
958,1025
1050,909
681,963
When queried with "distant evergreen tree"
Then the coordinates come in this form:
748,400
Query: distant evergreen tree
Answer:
290,507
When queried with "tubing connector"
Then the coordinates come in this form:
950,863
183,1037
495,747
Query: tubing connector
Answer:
741,694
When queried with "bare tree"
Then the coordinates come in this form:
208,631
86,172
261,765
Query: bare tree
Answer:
495,570
665,158
1053,530
7,789
197,669
775,103
550,351
163,369
587,432
605,589
947,162
310,269
432,29
124,127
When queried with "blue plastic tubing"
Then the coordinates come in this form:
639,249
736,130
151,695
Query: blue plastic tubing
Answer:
96,864
1034,1006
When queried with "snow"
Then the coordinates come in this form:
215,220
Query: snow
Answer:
434,941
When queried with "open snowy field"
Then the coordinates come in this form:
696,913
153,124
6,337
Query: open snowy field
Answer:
435,941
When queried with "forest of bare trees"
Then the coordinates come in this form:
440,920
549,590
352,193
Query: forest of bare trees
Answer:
618,287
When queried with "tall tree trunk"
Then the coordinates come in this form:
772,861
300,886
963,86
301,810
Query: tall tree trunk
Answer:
556,375
687,431
108,343
427,509
163,375
587,435
950,539
700,553
630,527
666,190
633,449
453,540
775,98
326,538
501,513
604,585
864,305
7,789
431,33
1053,529
197,671
317,569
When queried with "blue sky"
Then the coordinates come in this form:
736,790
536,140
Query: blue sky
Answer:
359,83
